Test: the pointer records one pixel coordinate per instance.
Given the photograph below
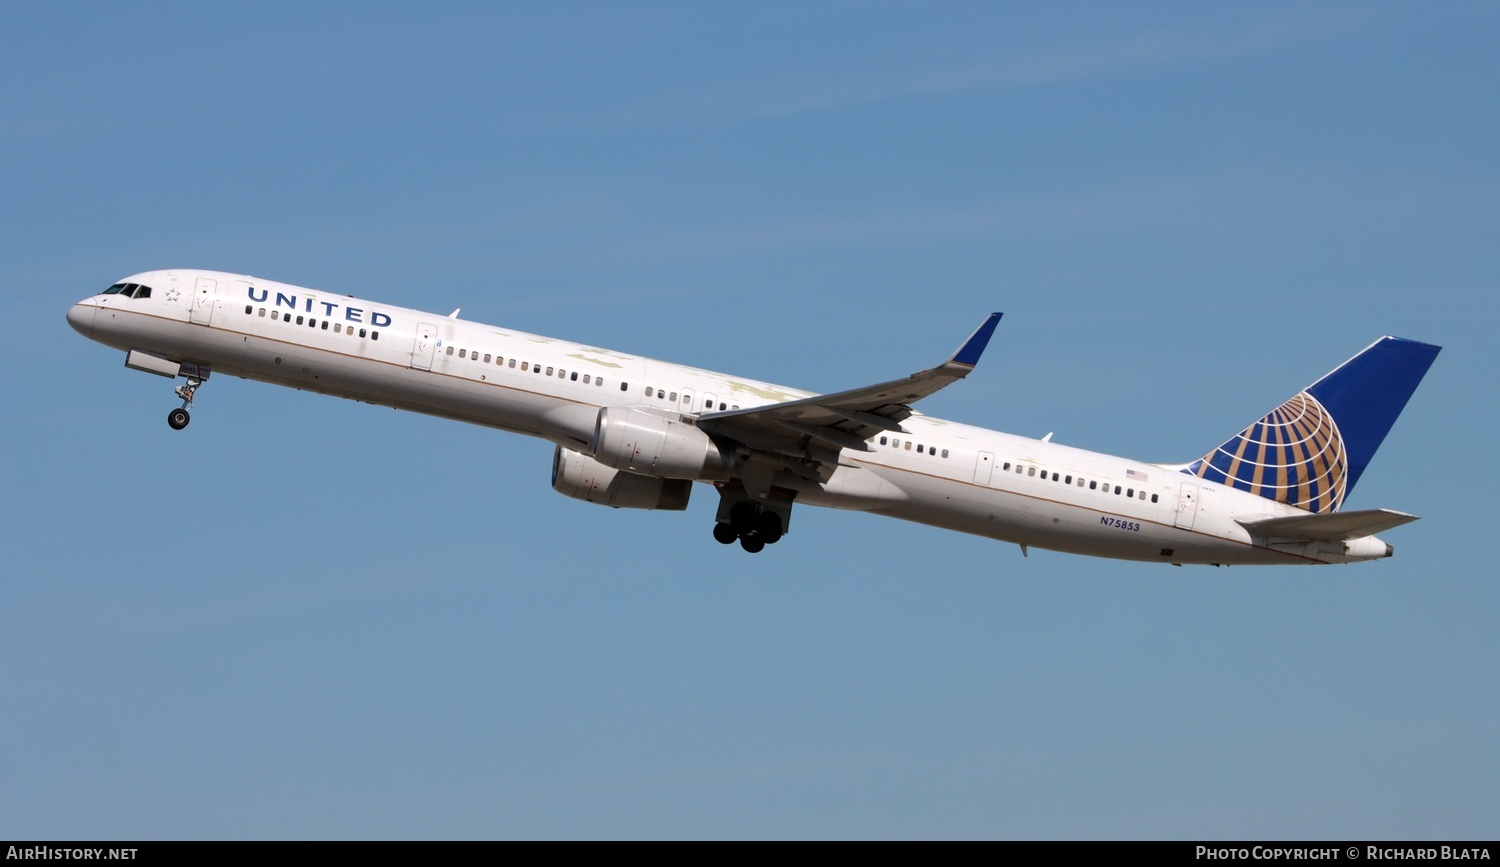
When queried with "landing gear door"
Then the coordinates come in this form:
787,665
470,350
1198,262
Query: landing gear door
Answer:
424,347
1187,505
201,312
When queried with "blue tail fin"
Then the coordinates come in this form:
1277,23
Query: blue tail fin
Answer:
1311,450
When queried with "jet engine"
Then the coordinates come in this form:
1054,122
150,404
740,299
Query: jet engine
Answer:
642,442
583,478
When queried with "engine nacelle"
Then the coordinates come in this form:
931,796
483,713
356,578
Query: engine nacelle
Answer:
648,444
583,478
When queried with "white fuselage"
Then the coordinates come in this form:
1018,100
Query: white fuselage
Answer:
937,472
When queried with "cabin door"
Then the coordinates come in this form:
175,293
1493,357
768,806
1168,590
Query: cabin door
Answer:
983,468
424,346
201,312
1187,505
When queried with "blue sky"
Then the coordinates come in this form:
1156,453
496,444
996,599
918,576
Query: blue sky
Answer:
304,617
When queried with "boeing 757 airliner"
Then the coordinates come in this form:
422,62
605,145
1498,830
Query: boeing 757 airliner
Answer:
635,433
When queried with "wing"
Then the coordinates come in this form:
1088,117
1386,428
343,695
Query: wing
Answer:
815,429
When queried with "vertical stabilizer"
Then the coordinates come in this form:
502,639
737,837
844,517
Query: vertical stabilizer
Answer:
1310,451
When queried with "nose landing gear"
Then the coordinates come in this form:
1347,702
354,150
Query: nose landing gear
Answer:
178,418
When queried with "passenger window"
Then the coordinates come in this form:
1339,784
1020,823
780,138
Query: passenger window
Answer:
1093,486
450,350
486,358
1067,480
263,313
275,314
1117,490
599,380
650,392
945,453
1130,492
549,371
512,363
325,324
573,377
920,450
882,440
248,309
361,332
624,386
1153,498
1006,468
524,367
1031,471
338,328
1054,477
908,445
585,379
672,397
374,335
299,320
721,406
1143,495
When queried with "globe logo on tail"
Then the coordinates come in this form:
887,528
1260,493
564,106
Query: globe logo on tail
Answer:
1293,455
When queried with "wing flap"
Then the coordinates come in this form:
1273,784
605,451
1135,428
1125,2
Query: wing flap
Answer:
1330,526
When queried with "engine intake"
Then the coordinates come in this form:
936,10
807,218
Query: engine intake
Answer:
648,444
583,478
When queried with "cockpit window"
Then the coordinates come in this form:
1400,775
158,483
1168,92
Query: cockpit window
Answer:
129,290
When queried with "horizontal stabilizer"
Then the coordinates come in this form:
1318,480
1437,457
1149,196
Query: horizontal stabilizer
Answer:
1330,526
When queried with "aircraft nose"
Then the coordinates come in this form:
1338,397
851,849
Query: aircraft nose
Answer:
81,317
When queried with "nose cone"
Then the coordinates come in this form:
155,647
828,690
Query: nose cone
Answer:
81,317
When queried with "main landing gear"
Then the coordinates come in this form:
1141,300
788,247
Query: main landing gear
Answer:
754,525
178,418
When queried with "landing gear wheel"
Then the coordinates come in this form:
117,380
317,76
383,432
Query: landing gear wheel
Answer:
725,534
178,419
742,517
768,527
753,544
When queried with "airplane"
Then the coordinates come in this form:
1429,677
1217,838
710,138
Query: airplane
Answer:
636,433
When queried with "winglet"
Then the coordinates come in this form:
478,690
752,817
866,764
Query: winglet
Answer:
968,354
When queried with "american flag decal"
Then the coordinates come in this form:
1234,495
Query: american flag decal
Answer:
1135,474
